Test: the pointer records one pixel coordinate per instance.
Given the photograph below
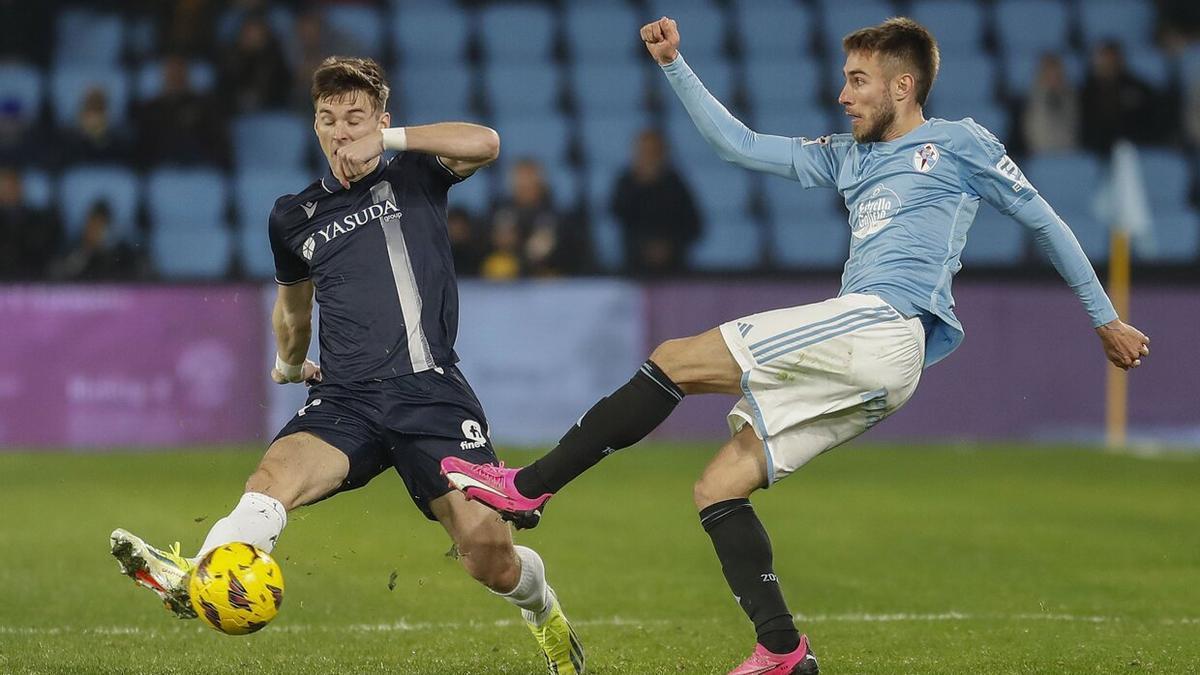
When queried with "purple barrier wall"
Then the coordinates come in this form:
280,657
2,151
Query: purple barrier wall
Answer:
1031,366
102,366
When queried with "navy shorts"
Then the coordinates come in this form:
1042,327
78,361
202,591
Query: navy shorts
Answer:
409,423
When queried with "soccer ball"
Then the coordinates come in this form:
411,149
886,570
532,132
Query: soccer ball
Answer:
236,589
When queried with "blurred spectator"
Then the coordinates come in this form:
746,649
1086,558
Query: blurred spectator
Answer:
96,256
94,138
186,26
464,242
543,244
253,71
19,143
1116,103
29,236
1051,116
655,208
314,41
181,125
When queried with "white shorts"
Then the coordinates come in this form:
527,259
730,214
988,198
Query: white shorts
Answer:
816,376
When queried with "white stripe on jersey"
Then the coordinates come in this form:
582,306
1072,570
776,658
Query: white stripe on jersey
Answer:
406,284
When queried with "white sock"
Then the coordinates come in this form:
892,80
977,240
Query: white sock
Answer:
530,592
257,519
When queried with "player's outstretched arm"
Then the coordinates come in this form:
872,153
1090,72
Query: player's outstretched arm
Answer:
291,319
463,147
733,141
1123,345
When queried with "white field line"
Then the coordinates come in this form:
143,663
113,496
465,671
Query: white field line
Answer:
402,626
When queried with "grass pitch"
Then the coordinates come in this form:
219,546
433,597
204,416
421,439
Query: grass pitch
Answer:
897,560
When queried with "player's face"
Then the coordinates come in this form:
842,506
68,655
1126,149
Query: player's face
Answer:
345,119
866,97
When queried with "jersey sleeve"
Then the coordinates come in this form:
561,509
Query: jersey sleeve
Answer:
289,267
988,170
818,161
436,175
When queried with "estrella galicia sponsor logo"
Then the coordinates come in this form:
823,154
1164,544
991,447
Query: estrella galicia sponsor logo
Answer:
875,211
475,436
383,211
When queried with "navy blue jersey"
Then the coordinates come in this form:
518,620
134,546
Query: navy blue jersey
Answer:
379,257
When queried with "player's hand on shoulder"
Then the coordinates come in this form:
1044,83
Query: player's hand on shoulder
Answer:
662,40
350,161
310,374
1124,345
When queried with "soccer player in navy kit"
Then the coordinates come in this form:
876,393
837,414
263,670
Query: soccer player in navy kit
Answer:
369,239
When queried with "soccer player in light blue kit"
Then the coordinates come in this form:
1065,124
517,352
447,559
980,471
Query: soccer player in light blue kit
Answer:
816,376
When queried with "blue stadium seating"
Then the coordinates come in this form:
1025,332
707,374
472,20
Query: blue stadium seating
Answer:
994,240
701,21
255,193
417,44
544,137
807,228
809,121
517,33
958,25
965,80
773,29
1130,22
37,188
607,240
719,187
603,33
1058,178
607,140
729,242
185,199
1168,179
201,76
609,88
688,147
843,18
22,84
1020,70
89,38
81,187
254,251
475,193
992,117
1175,238
433,93
200,252
1031,26
564,183
516,90
781,83
272,141
362,23
1149,64
68,86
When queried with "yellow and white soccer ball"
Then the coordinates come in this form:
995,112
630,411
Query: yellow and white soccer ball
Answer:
236,588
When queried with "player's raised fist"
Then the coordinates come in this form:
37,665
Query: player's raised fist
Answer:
662,40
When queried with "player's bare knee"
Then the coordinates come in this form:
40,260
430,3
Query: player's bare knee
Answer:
271,480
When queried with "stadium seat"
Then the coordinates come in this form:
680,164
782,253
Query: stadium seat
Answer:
729,241
781,83
700,21
544,137
603,33
254,252
958,25
809,121
516,90
517,33
475,193
843,18
990,116
37,188
88,38
81,187
607,140
994,240
200,252
185,199
434,92
68,86
1020,70
1058,178
270,141
21,84
1149,64
564,185
255,192
362,23
773,29
201,76
416,44
1031,26
807,229
1174,238
965,80
719,187
1130,22
609,88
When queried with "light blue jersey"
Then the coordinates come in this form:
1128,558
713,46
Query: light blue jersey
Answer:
911,202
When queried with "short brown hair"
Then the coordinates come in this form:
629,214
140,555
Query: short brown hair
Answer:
341,76
906,43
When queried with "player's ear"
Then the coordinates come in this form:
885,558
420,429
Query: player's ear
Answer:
385,120
903,86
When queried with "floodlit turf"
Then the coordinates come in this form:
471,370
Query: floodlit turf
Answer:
899,560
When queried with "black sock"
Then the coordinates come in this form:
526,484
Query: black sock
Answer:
617,421
745,553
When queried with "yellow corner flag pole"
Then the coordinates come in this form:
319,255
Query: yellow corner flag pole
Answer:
1117,396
